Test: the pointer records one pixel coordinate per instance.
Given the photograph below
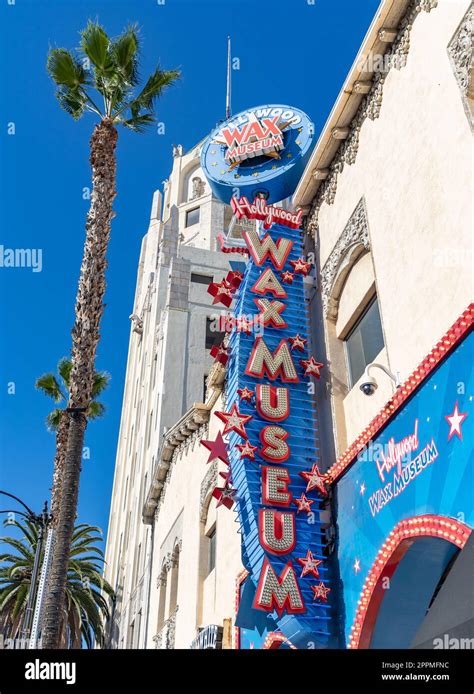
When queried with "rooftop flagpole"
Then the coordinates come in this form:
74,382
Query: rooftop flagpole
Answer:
228,110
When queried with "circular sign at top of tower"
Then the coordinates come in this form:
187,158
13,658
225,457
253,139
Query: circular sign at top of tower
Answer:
261,151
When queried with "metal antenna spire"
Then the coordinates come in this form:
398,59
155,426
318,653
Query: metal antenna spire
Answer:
228,94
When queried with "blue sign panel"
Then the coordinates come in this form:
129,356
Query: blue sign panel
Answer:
261,150
306,619
420,467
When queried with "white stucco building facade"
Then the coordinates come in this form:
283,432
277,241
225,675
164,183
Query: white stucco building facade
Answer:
172,330
388,208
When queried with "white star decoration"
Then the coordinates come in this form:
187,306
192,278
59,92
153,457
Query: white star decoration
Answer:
356,566
455,420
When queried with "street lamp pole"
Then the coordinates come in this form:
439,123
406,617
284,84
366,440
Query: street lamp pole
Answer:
42,521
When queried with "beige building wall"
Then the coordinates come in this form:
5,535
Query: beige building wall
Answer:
398,220
185,516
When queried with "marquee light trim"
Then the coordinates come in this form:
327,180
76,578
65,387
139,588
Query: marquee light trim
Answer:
390,554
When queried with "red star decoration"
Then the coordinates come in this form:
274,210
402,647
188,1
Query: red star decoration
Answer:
309,564
301,266
234,421
311,367
234,278
303,503
222,292
315,480
224,495
297,342
320,592
455,420
245,394
220,353
226,476
287,277
247,450
218,449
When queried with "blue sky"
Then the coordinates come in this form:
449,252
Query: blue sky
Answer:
294,52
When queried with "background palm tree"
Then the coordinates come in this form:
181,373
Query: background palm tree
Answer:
85,605
106,72
57,388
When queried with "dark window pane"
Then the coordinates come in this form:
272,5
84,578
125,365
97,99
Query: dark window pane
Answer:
213,337
192,217
364,342
212,550
201,279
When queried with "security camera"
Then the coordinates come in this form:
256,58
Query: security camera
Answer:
369,386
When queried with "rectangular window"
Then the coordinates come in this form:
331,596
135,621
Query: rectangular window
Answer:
213,336
212,549
364,341
150,427
201,279
192,217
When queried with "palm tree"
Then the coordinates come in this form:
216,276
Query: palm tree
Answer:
107,72
85,606
57,388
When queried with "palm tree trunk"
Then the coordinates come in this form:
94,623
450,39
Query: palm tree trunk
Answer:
61,446
85,337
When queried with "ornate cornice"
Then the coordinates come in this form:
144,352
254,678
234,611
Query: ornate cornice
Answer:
370,107
353,241
461,57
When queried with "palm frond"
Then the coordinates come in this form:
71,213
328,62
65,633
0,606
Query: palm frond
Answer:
86,602
49,384
64,370
124,52
153,89
53,419
73,101
65,69
101,381
139,123
96,409
95,45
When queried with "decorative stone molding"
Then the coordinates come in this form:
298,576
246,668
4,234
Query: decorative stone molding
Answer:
162,579
171,621
353,242
370,107
183,434
198,188
461,56
165,638
208,483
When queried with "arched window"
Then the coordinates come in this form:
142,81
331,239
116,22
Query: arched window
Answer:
162,585
208,553
174,578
